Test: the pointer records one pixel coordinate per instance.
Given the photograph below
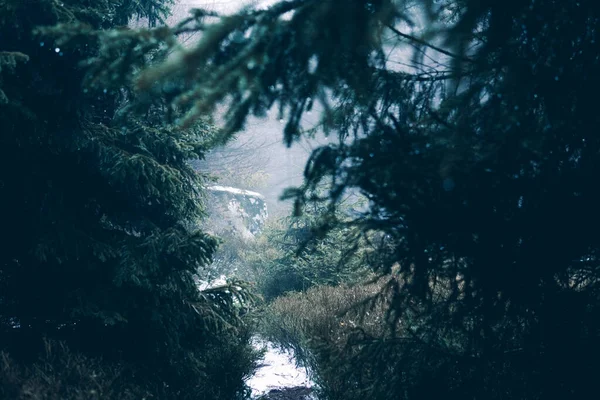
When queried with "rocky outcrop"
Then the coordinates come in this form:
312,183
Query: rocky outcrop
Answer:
236,211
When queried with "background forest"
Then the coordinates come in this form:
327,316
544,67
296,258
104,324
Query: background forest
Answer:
443,240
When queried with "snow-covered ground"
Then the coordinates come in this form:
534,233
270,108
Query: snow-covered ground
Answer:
277,371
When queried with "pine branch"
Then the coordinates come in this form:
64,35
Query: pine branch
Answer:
426,44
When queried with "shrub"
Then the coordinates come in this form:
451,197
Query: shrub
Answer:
320,324
291,256
357,347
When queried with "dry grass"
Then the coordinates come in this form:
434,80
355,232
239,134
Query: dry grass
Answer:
343,335
327,312
319,324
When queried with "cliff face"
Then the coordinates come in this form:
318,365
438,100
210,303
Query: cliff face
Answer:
236,212
236,217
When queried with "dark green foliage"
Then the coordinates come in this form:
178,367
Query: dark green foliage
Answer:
96,201
8,61
61,374
285,259
478,157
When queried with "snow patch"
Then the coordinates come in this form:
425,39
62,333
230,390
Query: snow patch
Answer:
277,370
235,191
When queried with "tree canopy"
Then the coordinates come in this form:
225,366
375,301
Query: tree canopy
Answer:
470,127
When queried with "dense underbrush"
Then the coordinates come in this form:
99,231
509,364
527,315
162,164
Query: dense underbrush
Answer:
324,326
59,372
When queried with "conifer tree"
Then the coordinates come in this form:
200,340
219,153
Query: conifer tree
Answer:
478,154
97,203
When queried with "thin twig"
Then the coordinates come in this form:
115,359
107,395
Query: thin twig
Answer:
424,43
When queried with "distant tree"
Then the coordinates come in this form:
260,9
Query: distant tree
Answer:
288,256
478,153
97,194
239,163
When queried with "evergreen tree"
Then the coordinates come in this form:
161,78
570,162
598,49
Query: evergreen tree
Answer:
97,200
288,256
478,154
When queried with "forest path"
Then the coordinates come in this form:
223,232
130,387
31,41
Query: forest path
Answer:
278,377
